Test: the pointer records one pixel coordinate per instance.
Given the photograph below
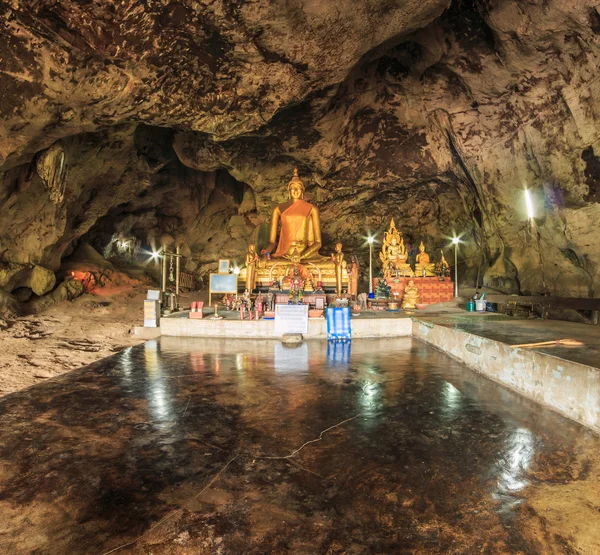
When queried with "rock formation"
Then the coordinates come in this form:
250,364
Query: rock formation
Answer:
130,119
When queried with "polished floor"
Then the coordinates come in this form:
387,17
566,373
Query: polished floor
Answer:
216,446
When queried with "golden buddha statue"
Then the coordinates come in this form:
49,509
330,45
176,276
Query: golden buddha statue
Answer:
423,266
300,235
251,260
295,240
411,295
340,264
393,254
444,266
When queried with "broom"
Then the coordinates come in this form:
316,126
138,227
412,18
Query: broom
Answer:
568,342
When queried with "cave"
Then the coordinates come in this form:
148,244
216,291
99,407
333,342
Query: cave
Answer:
147,142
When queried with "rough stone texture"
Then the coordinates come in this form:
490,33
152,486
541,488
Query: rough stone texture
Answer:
37,278
438,116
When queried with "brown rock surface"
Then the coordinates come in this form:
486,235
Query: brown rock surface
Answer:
188,117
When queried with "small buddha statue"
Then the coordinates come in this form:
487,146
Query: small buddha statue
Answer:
411,295
251,261
444,266
393,254
340,264
293,282
423,265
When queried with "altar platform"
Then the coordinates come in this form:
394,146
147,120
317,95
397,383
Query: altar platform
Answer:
432,290
368,324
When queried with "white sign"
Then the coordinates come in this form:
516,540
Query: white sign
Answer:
291,318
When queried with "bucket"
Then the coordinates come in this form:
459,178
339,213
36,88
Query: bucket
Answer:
470,306
480,305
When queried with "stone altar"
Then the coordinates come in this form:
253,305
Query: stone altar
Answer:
431,289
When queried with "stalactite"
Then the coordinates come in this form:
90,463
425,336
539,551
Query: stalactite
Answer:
52,168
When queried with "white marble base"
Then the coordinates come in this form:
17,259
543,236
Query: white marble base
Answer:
265,329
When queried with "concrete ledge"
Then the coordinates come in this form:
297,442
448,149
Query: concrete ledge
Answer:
569,388
265,329
146,333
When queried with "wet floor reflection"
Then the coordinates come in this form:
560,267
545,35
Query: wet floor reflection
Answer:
253,446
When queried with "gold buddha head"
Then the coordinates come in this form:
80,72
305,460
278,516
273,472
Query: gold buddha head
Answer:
338,247
251,247
422,247
296,187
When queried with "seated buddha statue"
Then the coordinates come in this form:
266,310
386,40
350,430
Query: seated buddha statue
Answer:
300,235
411,295
295,240
423,266
393,254
442,267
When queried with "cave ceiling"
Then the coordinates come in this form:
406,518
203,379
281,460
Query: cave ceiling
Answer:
189,116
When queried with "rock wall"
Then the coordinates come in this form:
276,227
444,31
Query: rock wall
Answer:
188,118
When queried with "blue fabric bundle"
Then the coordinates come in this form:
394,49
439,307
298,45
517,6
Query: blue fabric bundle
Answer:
338,323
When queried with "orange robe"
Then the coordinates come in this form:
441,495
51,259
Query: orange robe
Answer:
296,226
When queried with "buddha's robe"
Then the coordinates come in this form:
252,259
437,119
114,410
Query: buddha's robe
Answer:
296,228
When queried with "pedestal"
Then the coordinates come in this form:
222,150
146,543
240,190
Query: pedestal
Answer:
431,289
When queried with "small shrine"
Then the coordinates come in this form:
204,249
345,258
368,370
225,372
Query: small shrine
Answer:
424,283
291,266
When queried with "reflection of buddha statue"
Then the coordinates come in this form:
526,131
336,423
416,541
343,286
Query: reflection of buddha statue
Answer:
423,266
300,235
411,295
393,253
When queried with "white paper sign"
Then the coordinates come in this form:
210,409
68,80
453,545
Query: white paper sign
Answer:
291,318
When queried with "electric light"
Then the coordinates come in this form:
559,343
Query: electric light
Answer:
371,240
455,242
236,270
154,254
529,203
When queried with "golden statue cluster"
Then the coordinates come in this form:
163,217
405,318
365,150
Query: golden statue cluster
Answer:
292,254
394,258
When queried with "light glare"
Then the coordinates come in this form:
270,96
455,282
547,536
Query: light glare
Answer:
529,202
455,240
371,240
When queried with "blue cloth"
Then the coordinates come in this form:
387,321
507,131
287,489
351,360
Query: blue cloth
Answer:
338,323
